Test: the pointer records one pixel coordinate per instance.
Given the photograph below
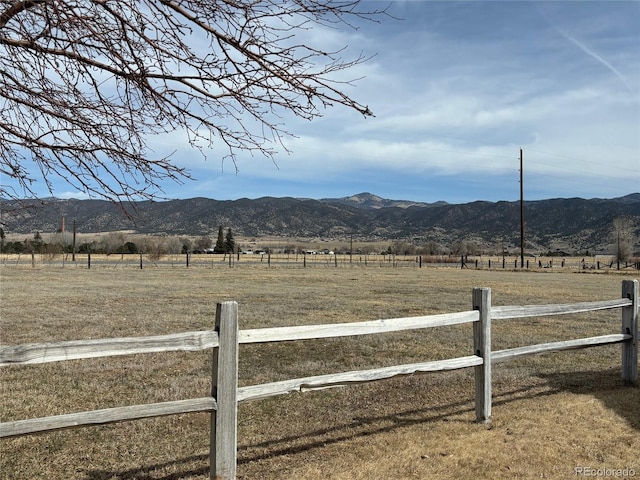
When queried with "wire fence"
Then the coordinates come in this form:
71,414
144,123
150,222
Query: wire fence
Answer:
297,260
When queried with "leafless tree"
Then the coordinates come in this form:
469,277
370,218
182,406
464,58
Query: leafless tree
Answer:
202,242
173,245
401,247
84,84
112,241
622,235
430,248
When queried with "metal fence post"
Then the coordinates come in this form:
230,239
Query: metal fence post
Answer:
482,348
630,327
224,420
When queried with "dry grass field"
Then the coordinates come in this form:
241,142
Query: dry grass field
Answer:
551,413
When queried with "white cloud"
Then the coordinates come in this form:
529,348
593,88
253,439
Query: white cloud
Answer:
455,94
68,195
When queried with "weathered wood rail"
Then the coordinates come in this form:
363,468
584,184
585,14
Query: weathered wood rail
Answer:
225,338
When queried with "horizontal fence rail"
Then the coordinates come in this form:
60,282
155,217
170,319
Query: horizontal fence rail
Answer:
266,390
225,338
525,311
108,347
307,332
107,415
513,353
203,340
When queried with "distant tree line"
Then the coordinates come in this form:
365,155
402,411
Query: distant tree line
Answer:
118,243
621,246
59,244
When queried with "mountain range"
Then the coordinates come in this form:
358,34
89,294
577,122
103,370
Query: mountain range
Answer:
561,224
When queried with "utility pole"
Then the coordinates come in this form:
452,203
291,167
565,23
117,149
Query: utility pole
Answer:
618,252
351,251
73,247
521,213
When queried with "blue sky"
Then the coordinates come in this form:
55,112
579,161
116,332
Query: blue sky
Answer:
457,88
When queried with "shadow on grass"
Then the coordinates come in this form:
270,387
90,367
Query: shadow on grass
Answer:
151,471
606,386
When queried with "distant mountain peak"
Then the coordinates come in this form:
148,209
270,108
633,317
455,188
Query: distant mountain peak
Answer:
371,201
366,199
365,195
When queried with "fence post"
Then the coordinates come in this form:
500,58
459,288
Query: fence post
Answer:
482,348
630,327
224,420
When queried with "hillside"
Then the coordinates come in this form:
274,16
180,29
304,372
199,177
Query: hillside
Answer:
569,225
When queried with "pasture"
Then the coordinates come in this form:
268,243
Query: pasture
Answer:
551,414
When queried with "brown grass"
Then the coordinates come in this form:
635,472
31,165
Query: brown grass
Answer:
551,413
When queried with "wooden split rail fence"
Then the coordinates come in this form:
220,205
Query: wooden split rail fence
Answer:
226,337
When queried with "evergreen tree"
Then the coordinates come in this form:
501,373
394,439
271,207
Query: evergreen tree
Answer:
230,243
37,244
220,244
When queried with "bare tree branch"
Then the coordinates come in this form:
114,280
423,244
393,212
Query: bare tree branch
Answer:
85,84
